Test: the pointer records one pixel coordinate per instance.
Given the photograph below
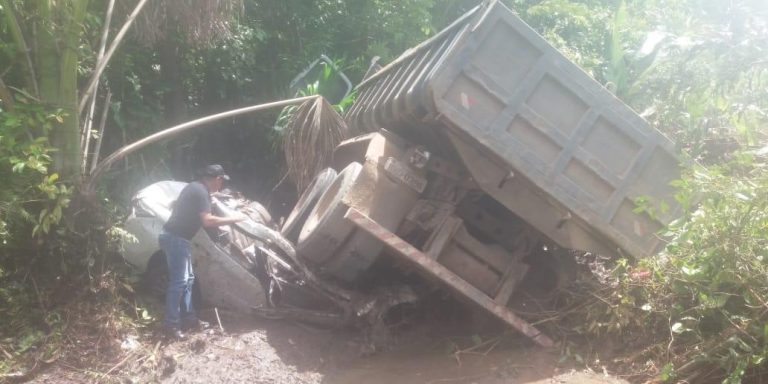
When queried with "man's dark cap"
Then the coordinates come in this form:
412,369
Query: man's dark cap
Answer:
214,170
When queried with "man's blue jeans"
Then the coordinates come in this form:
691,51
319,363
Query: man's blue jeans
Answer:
178,296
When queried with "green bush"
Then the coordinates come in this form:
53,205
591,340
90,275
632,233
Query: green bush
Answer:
704,300
31,199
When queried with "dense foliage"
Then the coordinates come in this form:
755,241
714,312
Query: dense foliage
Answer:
31,198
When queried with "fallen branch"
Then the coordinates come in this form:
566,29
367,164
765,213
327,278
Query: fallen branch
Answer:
175,130
218,319
153,355
118,365
760,299
494,342
7,355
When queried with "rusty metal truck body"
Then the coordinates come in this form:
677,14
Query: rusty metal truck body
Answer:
485,146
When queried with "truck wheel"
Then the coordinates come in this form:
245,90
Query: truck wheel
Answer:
306,203
325,228
551,272
565,268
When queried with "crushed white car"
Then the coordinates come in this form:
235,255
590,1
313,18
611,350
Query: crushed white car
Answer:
225,261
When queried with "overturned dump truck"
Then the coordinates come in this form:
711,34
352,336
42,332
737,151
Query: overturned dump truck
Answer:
484,146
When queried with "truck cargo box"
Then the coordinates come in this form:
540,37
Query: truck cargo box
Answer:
533,130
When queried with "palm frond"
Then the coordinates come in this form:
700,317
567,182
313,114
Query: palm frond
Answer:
309,138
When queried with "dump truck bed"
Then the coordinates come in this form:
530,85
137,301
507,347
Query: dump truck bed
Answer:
535,131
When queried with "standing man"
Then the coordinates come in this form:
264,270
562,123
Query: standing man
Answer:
191,211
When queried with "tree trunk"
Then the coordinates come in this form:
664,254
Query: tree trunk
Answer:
57,60
21,43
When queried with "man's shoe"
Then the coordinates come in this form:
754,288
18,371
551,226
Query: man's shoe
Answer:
196,325
175,334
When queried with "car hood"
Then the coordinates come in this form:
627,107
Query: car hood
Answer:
158,198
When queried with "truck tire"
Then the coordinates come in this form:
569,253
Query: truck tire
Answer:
306,203
551,272
325,229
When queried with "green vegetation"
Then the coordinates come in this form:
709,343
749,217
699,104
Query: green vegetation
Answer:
700,307
696,69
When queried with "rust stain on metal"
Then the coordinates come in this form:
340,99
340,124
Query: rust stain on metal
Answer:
456,283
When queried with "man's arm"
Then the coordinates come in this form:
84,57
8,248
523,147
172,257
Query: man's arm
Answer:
210,220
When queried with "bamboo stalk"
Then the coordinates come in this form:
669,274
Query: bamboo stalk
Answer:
102,64
175,130
85,135
102,126
18,37
56,33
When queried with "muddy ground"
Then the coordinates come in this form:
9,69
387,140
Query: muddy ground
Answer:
433,350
